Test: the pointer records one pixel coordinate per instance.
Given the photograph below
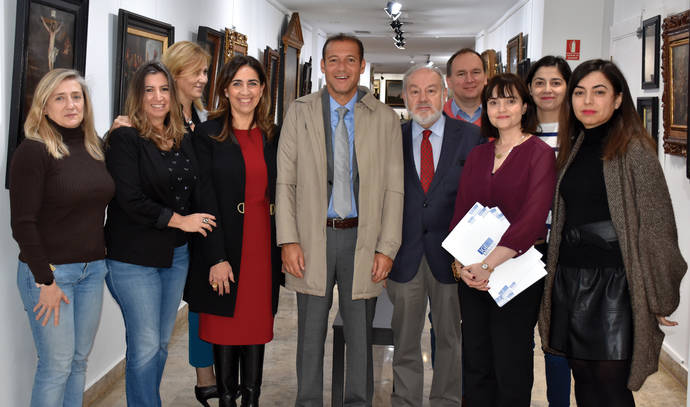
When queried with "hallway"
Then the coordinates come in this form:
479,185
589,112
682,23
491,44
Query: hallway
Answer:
280,384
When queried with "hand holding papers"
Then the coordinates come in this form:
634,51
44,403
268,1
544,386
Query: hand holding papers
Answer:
476,235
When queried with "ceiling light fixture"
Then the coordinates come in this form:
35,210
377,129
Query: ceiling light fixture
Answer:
396,24
400,44
393,9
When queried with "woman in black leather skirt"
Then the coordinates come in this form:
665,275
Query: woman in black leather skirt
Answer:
614,262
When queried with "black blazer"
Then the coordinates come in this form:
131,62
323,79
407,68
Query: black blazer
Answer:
426,217
136,229
222,173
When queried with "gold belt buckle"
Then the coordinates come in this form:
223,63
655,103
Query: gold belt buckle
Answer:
240,207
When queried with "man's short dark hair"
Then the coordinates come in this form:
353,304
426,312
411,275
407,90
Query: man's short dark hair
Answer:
449,65
344,37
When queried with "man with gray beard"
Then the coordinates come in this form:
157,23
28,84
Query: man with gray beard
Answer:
434,151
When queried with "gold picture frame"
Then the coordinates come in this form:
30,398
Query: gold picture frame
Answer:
514,53
490,62
235,44
676,53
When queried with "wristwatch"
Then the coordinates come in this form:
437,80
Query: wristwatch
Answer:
487,268
39,285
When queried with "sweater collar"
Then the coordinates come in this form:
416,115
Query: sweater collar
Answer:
68,134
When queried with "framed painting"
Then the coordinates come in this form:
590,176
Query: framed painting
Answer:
139,40
292,42
272,65
305,82
675,70
48,34
648,109
489,59
523,68
650,52
514,53
214,43
394,93
235,44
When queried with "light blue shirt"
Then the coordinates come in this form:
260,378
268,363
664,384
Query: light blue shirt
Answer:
459,112
435,138
350,125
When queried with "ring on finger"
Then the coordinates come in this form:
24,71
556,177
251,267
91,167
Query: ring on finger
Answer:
214,285
205,220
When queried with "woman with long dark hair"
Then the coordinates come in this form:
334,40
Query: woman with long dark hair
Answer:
516,173
547,80
156,193
614,263
236,270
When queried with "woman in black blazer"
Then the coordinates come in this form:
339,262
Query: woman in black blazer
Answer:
236,270
156,188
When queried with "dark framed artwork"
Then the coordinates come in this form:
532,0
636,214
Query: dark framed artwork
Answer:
514,53
305,82
291,48
675,70
489,59
648,109
651,43
48,34
235,44
394,93
272,66
523,68
139,40
213,42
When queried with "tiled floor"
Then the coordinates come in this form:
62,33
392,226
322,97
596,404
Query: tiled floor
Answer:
279,388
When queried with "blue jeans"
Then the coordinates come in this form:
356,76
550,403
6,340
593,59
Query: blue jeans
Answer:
200,351
62,350
148,298
557,373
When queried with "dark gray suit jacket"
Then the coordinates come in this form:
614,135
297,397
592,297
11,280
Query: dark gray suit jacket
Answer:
426,217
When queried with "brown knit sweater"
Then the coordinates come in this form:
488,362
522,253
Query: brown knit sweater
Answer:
58,206
642,214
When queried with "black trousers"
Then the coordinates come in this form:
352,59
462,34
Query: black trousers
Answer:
498,347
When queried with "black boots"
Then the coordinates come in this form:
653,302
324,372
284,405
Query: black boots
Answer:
248,360
226,360
251,372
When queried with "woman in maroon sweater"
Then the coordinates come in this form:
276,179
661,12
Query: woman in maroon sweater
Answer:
515,172
59,188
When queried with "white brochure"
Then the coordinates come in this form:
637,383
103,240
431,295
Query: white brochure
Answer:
476,235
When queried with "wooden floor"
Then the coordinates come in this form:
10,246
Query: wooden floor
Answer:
279,383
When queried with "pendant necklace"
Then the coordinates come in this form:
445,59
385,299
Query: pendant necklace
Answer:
501,155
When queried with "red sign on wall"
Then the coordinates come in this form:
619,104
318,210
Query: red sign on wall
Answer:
572,50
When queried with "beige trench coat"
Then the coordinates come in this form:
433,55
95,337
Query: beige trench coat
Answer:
301,191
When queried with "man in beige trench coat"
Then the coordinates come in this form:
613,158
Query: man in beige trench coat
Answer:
339,203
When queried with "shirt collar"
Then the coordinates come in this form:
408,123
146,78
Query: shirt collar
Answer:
436,128
349,105
459,112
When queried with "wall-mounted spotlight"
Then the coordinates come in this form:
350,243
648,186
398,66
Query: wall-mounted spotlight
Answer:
393,9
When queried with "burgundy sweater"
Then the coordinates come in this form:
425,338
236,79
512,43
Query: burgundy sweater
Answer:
522,188
58,206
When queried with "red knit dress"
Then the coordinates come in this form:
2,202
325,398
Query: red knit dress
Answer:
252,322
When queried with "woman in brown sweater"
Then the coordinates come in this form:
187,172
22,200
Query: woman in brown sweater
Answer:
614,263
59,188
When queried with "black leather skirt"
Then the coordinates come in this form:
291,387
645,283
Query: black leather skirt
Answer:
591,315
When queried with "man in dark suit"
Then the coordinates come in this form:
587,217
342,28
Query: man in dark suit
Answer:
434,151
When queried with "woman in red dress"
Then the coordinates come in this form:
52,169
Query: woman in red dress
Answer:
236,269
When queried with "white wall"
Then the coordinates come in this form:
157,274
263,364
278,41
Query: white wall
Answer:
262,22
524,17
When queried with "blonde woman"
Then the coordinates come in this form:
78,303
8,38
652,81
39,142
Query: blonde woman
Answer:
156,178
188,64
59,188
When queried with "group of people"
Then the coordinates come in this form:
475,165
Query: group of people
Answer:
221,208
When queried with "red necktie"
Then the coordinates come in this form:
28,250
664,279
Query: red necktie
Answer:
426,164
